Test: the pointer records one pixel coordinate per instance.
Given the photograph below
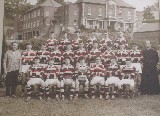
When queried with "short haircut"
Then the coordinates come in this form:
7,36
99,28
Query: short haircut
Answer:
14,42
29,44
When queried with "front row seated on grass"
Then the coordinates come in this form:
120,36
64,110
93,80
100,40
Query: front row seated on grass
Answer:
112,81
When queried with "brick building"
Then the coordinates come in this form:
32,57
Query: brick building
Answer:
149,31
97,14
37,21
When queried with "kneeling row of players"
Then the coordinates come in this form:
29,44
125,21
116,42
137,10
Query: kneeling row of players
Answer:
111,80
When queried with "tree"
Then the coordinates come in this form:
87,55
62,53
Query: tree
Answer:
15,7
59,1
147,15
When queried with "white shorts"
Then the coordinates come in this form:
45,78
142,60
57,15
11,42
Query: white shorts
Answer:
97,80
112,80
52,82
35,81
127,82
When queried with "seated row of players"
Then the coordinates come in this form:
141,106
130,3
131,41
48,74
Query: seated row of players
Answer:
71,76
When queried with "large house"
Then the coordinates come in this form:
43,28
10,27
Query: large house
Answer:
97,14
38,20
94,14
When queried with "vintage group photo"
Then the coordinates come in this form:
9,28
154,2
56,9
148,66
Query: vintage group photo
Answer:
80,58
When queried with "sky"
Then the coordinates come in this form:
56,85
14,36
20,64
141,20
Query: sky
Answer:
139,4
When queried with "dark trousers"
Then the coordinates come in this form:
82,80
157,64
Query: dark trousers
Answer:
11,82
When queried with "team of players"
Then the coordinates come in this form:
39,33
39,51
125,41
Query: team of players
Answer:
67,62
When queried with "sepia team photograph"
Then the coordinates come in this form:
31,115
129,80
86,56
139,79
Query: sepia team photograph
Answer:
80,57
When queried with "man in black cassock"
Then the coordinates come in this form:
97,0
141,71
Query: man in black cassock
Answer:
149,82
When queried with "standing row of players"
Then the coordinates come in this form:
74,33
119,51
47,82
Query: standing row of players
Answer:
68,63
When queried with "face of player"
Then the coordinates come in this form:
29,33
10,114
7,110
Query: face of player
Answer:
29,47
108,48
43,47
82,61
98,60
106,35
120,34
67,61
36,61
128,63
80,45
135,47
55,47
65,35
148,44
51,62
122,47
69,47
113,61
14,46
53,35
95,45
78,35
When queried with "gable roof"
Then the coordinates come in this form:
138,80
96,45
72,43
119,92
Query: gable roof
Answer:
154,7
45,3
148,27
120,3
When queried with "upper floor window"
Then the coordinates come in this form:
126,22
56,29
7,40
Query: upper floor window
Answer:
28,25
89,11
24,18
129,15
111,12
38,23
66,12
47,13
31,24
38,12
29,16
35,14
120,11
75,11
34,24
100,12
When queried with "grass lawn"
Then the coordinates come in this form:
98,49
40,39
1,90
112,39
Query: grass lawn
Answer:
139,106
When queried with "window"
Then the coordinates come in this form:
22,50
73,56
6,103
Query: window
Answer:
66,12
31,25
100,12
35,13
29,16
137,18
24,18
89,11
37,23
23,26
47,13
34,24
120,12
28,25
32,15
38,12
75,11
111,12
129,15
